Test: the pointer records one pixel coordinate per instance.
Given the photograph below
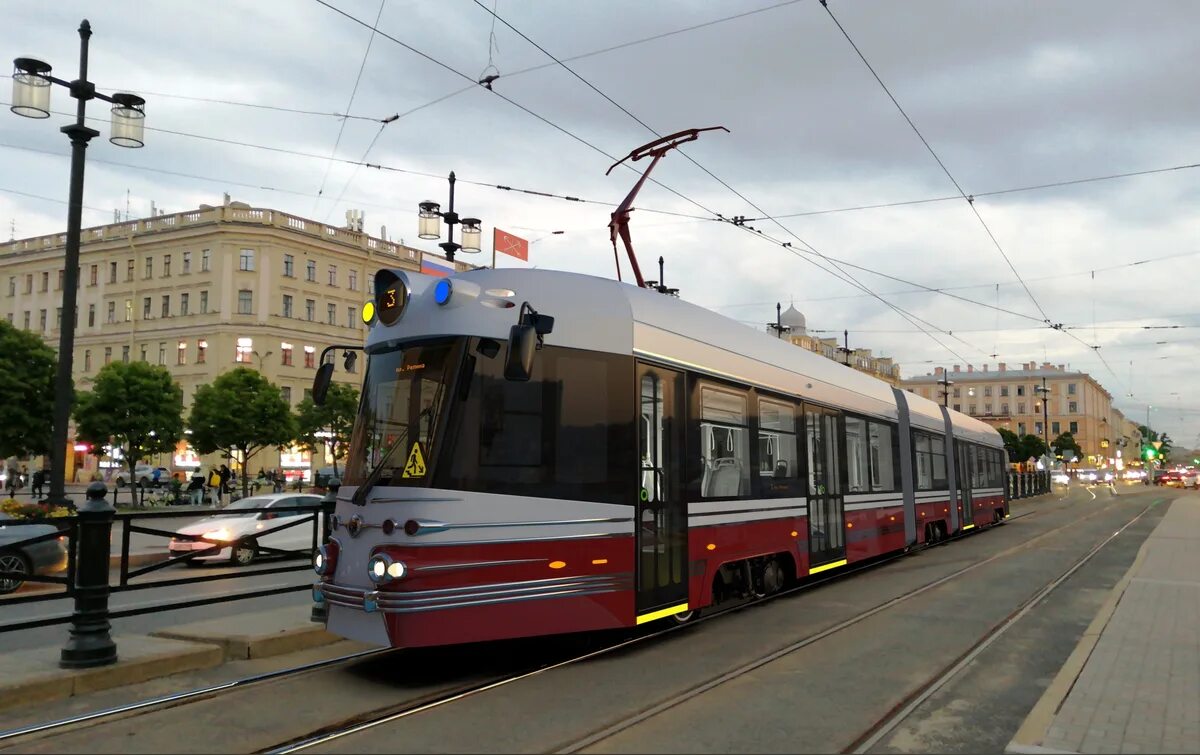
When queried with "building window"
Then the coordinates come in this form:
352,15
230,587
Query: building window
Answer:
112,272
1070,389
1020,390
1072,407
27,319
289,265
351,317
310,309
187,263
353,282
286,393
1074,427
93,274
201,350
166,266
245,302
1055,428
129,271
971,410
246,260
143,357
166,305
45,282
958,393
1020,407
1020,428
287,305
149,271
162,353
181,352
112,312
107,354
285,354
310,356
146,308
183,304
42,320
311,271
125,354
87,360
1037,428
987,409
129,310
59,285
370,283
12,285
245,347
91,315
1003,390
29,283
1004,409
333,275
958,407
58,318
203,302
205,260
987,391
331,314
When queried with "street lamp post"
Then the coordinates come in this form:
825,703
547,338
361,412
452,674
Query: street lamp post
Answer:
430,217
778,325
1044,392
945,382
31,99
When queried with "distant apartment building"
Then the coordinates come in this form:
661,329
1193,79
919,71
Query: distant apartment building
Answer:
201,292
795,330
1012,399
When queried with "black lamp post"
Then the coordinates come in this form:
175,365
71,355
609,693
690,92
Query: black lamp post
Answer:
429,220
945,382
778,325
1044,392
31,98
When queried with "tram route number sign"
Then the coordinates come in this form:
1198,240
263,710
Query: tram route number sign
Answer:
415,466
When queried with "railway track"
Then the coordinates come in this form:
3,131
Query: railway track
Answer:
454,693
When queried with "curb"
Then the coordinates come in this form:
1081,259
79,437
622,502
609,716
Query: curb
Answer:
1028,739
249,646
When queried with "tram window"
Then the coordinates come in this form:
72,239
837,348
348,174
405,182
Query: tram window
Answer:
937,448
924,461
724,443
779,471
883,475
857,462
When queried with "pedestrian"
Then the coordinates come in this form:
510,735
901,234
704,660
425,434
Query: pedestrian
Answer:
24,476
214,485
195,487
156,476
11,481
39,478
226,476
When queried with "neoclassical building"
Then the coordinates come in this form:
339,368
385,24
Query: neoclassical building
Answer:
795,329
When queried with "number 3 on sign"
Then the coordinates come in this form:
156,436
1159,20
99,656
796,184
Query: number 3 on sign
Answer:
415,466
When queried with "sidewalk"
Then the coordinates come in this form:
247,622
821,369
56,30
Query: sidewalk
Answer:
1132,685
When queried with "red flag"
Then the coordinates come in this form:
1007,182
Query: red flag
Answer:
506,243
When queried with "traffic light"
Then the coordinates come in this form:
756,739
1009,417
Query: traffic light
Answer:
1149,452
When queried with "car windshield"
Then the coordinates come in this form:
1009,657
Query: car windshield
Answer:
237,508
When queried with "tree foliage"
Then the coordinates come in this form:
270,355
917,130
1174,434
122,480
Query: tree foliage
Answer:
1149,436
1022,447
26,393
335,416
138,406
240,413
1066,446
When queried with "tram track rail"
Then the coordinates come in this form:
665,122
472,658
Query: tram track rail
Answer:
411,708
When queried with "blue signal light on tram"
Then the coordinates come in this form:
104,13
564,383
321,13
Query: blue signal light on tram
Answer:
442,291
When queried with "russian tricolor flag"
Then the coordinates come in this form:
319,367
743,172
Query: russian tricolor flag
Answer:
434,265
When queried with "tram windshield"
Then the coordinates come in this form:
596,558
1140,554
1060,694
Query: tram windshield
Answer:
404,393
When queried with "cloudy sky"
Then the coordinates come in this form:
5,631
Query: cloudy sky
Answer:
1008,94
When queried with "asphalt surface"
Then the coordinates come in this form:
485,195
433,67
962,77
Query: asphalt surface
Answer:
818,698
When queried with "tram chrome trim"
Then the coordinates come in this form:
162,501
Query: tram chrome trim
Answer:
389,602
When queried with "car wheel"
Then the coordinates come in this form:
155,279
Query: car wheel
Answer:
13,562
244,552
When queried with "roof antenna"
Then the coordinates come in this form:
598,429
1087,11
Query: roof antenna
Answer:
619,226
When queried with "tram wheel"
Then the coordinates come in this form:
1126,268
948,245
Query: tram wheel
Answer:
685,617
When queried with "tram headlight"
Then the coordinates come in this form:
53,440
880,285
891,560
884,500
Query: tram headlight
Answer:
325,560
382,569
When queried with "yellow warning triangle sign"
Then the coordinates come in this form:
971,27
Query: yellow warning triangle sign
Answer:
415,466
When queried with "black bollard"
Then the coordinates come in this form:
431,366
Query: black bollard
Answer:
90,644
320,611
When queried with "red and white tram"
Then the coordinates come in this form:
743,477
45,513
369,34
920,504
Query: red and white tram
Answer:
644,458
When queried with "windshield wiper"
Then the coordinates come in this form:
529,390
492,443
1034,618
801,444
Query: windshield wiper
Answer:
360,495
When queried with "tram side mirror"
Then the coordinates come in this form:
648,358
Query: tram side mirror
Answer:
522,346
321,383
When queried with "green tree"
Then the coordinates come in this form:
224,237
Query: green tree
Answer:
26,393
1012,443
335,417
1066,446
136,405
240,413
1148,438
1032,446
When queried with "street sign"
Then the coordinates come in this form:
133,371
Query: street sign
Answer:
1157,444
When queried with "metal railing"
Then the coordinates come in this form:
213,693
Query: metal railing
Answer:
1026,484
91,576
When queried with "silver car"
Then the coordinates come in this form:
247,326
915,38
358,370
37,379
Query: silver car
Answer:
45,557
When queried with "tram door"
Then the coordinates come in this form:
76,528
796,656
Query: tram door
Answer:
826,521
966,464
661,508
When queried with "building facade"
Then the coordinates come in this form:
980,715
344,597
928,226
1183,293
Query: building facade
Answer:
200,293
794,328
1012,399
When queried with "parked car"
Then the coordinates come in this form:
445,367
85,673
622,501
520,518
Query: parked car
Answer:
240,530
1190,477
144,474
45,557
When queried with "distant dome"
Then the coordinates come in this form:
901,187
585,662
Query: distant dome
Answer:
794,319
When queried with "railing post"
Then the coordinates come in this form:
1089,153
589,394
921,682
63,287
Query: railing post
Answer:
90,644
320,611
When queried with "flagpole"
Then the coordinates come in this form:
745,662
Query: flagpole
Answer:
493,247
